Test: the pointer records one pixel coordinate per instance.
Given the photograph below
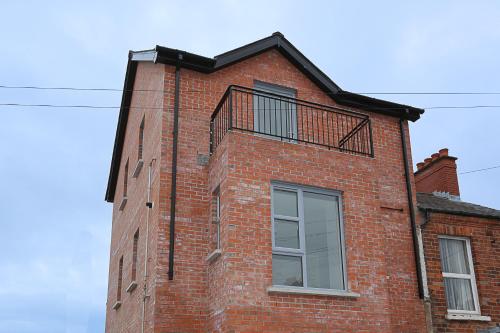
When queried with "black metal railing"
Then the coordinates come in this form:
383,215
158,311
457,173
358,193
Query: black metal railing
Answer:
290,119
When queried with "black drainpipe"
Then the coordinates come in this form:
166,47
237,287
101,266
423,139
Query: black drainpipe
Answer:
412,211
173,192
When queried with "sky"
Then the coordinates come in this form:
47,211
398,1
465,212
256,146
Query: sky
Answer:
55,223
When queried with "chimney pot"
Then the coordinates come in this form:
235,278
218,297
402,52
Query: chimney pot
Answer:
427,160
434,156
420,165
443,152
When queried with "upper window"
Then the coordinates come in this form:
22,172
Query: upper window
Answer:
141,139
458,274
125,180
120,278
134,255
274,113
308,248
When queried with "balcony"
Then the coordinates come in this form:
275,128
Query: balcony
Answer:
289,119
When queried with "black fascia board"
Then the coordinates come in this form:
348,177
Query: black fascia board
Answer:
378,105
121,126
189,60
279,42
458,213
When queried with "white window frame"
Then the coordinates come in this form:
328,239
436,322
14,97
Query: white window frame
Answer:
471,276
301,251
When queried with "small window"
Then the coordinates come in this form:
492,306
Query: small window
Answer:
216,219
308,248
141,139
275,113
134,255
458,274
120,277
125,180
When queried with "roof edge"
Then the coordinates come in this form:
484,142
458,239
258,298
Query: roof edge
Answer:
128,86
451,212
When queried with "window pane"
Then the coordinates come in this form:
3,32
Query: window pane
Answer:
454,257
459,294
285,203
287,270
323,246
275,115
286,234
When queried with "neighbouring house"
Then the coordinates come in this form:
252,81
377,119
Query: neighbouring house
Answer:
252,194
461,245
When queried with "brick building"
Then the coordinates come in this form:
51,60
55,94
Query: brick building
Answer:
461,245
252,194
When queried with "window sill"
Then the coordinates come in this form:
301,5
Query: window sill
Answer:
461,316
312,291
214,255
138,168
123,203
131,286
117,305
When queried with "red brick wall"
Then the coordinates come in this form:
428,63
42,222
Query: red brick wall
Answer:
229,294
125,223
484,235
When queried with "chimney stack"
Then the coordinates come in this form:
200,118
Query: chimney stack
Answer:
438,173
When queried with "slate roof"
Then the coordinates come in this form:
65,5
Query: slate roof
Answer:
433,203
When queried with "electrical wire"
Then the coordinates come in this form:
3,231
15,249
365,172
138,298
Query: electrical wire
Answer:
192,90
159,107
479,170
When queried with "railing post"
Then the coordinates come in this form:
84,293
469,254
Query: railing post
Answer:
372,153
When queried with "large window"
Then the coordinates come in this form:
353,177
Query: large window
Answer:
308,248
274,113
458,274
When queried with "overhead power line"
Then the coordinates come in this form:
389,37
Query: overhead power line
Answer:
159,107
90,89
428,93
479,170
193,90
461,107
65,106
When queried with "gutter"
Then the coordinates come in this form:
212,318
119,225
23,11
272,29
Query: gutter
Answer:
173,191
411,207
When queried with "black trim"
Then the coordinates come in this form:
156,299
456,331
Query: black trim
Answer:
411,207
128,86
451,212
279,42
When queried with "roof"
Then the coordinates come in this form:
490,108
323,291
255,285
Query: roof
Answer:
204,64
279,42
433,203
